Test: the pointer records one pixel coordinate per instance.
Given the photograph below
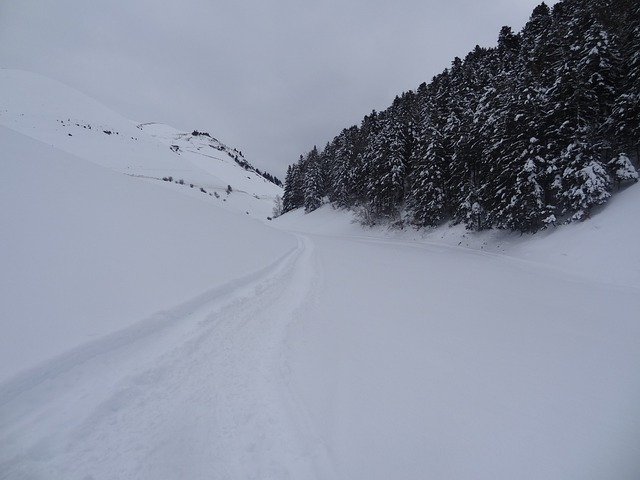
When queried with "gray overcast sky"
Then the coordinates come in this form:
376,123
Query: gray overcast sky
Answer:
271,77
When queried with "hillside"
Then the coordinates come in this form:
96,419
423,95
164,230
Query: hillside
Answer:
600,249
70,121
87,251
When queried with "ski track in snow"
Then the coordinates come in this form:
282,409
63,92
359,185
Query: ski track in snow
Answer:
200,391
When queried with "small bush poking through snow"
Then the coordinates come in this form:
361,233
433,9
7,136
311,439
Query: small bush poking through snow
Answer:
277,207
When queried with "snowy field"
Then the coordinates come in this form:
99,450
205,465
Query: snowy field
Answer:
153,332
422,359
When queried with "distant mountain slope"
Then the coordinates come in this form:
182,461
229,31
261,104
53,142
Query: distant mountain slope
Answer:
58,115
201,143
86,251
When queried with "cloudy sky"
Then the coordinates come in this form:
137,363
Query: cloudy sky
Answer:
271,77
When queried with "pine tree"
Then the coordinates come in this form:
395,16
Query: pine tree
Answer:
327,162
428,198
624,124
623,170
519,201
386,169
287,200
466,161
515,194
313,182
586,180
293,196
579,97
346,169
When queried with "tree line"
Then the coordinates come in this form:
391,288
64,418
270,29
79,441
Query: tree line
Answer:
536,131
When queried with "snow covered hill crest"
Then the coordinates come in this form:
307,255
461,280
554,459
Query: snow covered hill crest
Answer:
196,163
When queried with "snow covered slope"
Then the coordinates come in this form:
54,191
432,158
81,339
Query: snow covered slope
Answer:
486,356
423,361
86,251
53,113
601,248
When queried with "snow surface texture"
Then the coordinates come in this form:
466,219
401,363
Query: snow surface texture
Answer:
153,334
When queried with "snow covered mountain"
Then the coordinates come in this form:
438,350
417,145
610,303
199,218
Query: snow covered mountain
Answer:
68,120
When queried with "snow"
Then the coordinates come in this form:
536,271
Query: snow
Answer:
58,115
474,355
598,249
87,251
150,331
425,358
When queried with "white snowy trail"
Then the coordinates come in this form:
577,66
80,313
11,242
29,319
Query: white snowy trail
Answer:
197,392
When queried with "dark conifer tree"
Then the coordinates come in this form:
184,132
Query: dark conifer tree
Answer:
624,125
623,170
388,171
428,197
293,196
346,171
287,201
312,182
